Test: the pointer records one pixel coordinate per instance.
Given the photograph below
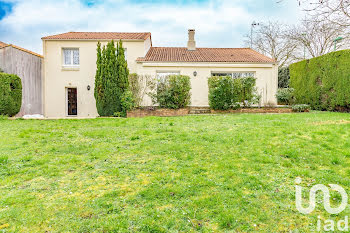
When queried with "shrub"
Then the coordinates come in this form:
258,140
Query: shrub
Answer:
285,96
283,77
323,82
226,92
245,90
172,92
139,85
300,108
221,93
10,94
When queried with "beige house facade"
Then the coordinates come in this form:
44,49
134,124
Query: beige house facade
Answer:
70,66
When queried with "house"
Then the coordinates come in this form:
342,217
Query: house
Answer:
28,66
70,66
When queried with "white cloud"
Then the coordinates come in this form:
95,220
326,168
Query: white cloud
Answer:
217,23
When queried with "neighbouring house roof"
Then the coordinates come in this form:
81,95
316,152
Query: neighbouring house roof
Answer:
99,36
3,45
182,54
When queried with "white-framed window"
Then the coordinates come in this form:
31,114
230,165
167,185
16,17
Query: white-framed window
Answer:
71,57
234,74
164,74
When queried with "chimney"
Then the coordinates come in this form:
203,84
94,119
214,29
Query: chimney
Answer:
191,44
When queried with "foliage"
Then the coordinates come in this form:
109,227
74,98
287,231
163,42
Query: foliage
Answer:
226,92
285,96
245,87
111,79
221,93
323,82
172,92
300,108
10,94
139,85
283,77
217,173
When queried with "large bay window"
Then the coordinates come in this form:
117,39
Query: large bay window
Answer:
164,74
234,74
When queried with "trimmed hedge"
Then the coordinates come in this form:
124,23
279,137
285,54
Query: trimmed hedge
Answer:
10,94
226,92
173,92
323,82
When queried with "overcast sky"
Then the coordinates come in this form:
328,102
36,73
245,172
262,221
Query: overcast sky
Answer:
220,23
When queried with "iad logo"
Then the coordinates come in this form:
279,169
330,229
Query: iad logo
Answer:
328,224
326,198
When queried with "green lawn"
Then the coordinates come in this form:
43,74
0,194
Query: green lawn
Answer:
213,173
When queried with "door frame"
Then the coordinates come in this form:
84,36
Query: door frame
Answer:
66,107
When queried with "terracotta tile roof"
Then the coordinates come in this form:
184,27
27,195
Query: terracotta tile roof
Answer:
99,36
2,44
182,54
19,48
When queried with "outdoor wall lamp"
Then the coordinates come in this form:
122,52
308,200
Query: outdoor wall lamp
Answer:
195,73
88,87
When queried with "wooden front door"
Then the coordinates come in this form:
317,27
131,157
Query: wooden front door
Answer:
72,101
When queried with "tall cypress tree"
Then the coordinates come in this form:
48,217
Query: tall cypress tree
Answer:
111,90
123,72
111,79
99,91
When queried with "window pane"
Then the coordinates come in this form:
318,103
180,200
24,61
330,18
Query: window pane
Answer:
67,56
75,56
221,74
162,75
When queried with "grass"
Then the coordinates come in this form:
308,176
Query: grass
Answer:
214,173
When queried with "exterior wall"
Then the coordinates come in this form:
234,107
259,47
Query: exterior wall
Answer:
58,78
266,74
29,68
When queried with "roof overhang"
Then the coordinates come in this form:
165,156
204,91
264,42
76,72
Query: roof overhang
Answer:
207,64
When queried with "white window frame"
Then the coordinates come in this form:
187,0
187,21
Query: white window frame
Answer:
71,59
230,73
162,74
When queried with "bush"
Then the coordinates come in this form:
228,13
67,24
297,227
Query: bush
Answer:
283,77
10,94
172,92
226,92
139,85
221,93
285,96
300,108
323,82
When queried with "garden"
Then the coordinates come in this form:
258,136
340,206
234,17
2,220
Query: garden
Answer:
206,173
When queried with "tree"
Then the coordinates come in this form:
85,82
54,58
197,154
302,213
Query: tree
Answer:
122,68
334,11
315,36
111,81
98,91
270,39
